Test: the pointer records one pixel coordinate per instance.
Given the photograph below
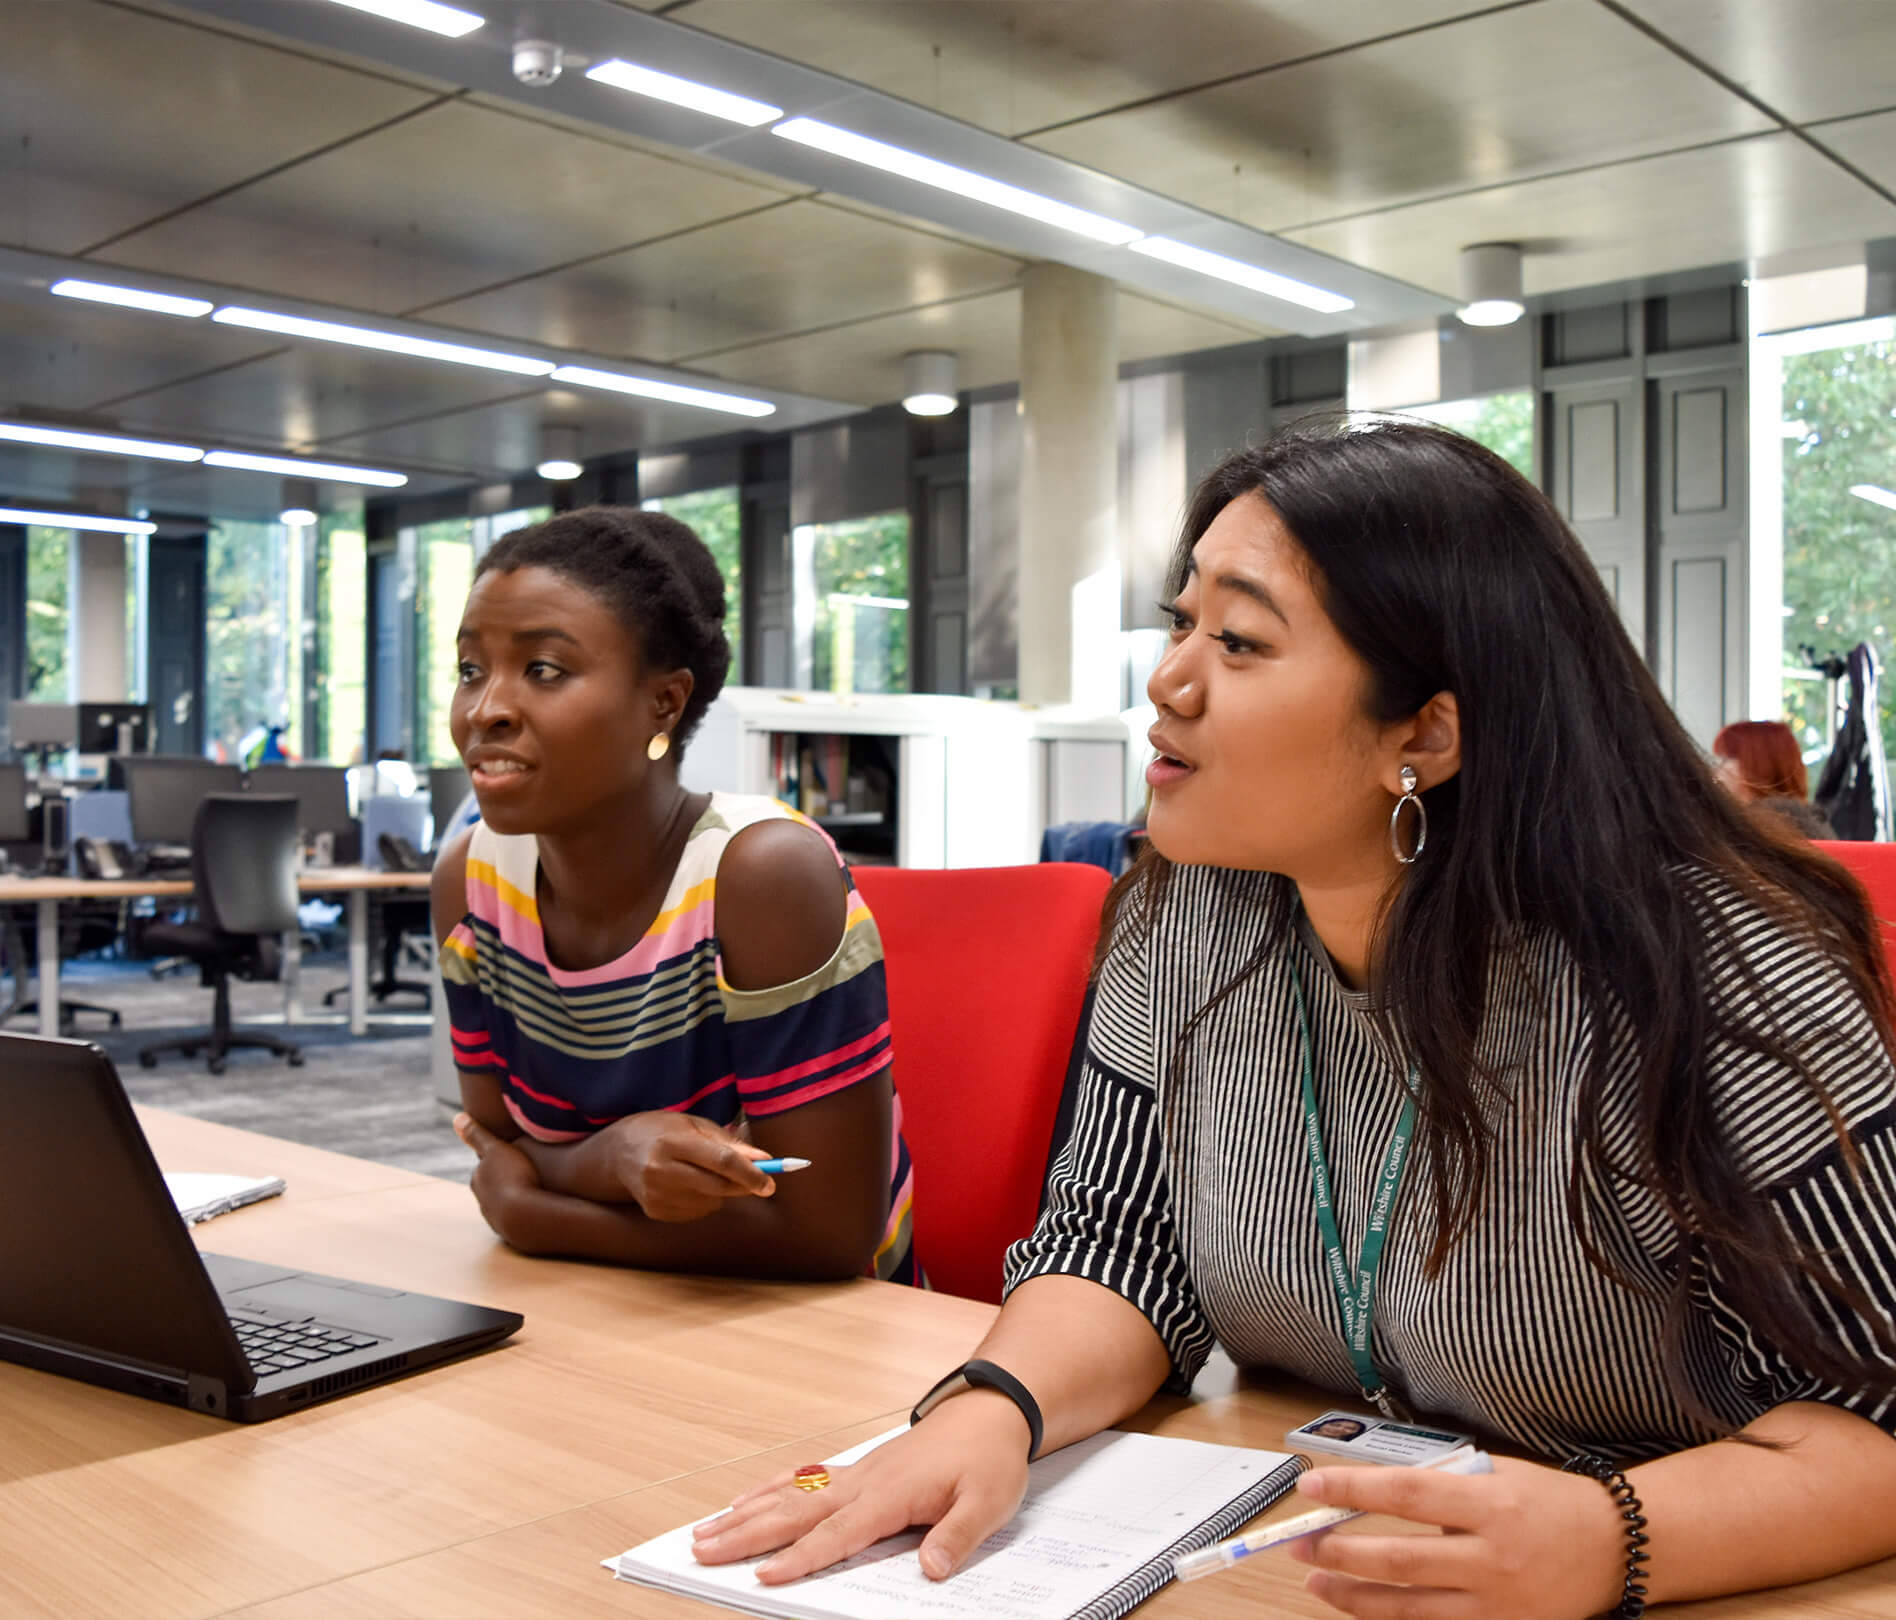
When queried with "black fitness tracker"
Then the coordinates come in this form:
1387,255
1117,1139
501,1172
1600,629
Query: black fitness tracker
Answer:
985,1375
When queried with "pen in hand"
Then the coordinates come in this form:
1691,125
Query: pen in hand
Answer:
777,1167
1190,1566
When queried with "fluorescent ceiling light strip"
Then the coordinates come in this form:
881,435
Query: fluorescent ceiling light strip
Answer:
76,520
291,467
105,444
704,98
437,19
946,177
1237,271
651,388
100,292
363,337
1871,492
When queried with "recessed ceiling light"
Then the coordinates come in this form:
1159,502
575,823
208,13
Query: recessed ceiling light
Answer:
1871,492
929,171
291,467
104,444
437,19
100,292
1258,279
296,517
76,520
652,388
679,92
364,337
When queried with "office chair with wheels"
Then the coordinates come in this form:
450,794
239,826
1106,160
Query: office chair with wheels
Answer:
396,918
243,878
987,971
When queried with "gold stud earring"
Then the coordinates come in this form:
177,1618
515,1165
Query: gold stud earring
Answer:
659,746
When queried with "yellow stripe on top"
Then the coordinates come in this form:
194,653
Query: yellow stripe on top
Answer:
513,899
694,896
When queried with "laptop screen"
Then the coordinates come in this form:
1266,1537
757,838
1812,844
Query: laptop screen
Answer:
93,1253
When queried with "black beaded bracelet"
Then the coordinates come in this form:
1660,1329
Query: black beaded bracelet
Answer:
1632,1603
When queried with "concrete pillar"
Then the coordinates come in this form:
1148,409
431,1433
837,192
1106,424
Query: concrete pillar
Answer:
1069,487
95,628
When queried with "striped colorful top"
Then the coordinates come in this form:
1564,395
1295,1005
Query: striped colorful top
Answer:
660,1028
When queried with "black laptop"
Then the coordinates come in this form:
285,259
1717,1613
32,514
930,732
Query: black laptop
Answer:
99,1278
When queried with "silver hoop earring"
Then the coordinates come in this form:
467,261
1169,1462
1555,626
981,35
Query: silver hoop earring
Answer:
1409,797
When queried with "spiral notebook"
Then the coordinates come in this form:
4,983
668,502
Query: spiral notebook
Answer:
1096,1536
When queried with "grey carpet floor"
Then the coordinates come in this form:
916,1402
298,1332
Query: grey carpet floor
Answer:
368,1095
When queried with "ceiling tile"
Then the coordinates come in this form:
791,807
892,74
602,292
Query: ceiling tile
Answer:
502,440
457,198
789,269
1017,65
309,393
109,117
1869,143
1768,195
862,363
57,354
1472,103
1806,59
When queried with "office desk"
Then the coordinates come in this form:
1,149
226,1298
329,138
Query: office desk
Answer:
353,882
630,1403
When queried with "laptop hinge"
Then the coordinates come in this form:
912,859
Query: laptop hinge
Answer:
206,1395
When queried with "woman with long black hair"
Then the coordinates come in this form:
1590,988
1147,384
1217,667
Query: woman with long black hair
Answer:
1459,1043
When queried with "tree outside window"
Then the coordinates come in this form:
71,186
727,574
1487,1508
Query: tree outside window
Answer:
712,514
1839,434
48,582
851,604
1503,422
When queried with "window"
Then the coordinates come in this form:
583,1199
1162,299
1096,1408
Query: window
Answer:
1503,422
341,640
253,637
48,582
712,514
851,604
1837,436
444,559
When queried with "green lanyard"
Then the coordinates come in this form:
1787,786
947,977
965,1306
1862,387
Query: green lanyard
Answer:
1355,1290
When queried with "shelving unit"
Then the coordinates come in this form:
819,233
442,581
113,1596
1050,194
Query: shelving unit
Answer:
968,782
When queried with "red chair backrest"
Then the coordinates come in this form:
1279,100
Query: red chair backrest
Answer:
987,970
1874,866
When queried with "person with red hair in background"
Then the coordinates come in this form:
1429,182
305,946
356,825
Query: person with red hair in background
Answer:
1759,762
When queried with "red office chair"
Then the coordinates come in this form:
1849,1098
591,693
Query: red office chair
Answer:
987,970
1874,866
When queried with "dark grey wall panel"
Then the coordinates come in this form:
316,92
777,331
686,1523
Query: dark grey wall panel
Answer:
1579,335
174,642
1698,450
1593,461
12,613
764,541
1226,408
852,469
1700,539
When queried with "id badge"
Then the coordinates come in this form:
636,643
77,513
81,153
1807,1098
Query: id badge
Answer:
1369,1438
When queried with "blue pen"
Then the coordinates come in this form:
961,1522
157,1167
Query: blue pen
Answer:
777,1167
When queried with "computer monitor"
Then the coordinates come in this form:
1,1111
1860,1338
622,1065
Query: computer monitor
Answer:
14,826
447,787
43,725
164,795
321,793
114,728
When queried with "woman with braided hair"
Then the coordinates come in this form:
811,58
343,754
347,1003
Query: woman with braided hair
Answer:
651,989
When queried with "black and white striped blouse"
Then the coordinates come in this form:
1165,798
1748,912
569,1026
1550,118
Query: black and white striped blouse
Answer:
1191,1196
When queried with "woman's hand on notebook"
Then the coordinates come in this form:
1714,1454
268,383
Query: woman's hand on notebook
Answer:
963,1472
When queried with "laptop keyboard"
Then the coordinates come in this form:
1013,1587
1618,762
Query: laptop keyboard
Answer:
275,1345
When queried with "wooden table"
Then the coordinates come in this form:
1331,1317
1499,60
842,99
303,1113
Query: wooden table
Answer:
353,882
629,1404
